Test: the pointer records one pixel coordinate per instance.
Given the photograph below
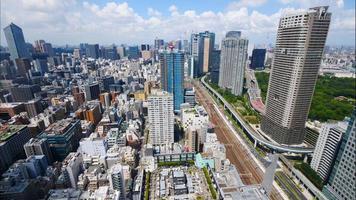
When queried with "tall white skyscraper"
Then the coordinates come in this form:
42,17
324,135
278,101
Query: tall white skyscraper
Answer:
299,47
161,118
233,62
326,147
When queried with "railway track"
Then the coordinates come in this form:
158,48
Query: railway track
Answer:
249,171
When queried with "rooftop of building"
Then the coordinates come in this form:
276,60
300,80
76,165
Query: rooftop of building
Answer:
7,131
10,105
59,127
59,194
233,188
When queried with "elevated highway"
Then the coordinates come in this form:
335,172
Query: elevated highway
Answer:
252,134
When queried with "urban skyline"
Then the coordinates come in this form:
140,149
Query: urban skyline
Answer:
144,22
199,116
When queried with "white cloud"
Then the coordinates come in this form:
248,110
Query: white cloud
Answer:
340,3
153,12
246,3
70,22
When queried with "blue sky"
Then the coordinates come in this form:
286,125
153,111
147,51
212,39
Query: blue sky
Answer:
133,22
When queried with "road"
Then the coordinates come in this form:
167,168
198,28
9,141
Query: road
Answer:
255,135
248,169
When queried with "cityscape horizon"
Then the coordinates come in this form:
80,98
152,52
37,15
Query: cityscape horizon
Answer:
191,104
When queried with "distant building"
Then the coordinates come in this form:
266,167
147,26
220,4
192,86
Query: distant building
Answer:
106,81
215,66
12,139
23,93
133,52
92,51
195,43
121,51
41,66
63,137
16,42
92,91
233,62
172,75
342,179
33,107
109,52
299,48
326,147
161,118
38,147
208,42
145,47
23,67
258,59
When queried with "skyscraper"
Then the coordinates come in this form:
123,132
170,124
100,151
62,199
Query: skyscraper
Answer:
133,52
161,118
92,50
207,46
215,66
258,59
202,45
172,75
194,55
299,47
16,42
326,147
232,62
342,180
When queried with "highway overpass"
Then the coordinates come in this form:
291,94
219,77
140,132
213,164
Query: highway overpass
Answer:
257,138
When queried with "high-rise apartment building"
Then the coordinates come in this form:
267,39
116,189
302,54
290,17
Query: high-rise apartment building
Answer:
172,75
326,147
258,59
342,180
161,118
233,62
299,47
16,42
